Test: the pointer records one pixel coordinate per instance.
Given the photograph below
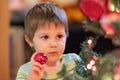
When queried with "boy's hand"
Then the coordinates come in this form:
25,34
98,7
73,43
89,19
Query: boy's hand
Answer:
36,70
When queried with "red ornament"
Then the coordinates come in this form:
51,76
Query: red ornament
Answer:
92,9
41,58
106,25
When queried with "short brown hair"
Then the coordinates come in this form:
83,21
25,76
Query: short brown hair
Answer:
44,12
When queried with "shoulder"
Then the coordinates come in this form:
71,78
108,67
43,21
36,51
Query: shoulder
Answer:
25,67
23,71
69,61
72,56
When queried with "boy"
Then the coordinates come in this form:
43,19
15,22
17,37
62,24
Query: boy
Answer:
46,28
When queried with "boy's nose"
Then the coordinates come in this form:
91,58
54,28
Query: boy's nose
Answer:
53,43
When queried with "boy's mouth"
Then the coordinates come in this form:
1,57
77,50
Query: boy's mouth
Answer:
53,53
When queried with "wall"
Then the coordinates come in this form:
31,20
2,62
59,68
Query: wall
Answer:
4,41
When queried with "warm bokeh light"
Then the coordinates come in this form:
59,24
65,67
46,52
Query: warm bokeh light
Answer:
95,57
89,66
117,77
94,68
112,8
89,41
92,62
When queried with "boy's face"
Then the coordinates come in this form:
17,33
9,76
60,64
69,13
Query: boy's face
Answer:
51,40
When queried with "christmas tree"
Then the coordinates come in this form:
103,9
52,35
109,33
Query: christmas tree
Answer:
102,18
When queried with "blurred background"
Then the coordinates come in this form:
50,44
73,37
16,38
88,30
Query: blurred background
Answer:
13,49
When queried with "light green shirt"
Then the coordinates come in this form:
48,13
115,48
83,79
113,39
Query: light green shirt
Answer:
66,70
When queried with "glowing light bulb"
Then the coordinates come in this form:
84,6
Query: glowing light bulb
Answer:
89,66
94,68
117,10
117,77
92,62
95,57
112,8
89,41
108,32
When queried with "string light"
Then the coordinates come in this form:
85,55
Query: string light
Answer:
112,8
92,62
89,41
108,33
116,77
95,57
94,68
117,10
89,66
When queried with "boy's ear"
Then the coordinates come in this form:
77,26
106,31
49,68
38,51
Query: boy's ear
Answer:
28,40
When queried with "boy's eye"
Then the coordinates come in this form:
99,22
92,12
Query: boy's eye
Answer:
60,36
45,37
